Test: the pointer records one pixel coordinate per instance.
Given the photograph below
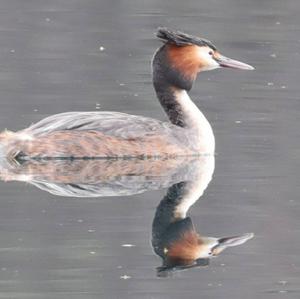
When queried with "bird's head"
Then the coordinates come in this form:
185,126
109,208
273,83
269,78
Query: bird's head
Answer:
183,56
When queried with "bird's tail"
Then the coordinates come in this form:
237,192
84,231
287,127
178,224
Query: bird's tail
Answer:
9,145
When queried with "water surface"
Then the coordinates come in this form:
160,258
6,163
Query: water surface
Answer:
76,55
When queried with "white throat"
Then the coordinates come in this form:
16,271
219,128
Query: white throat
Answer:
197,123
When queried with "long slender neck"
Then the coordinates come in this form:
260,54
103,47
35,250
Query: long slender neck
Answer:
182,112
179,108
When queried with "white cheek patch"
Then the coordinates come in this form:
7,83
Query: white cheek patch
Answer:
210,67
205,250
208,62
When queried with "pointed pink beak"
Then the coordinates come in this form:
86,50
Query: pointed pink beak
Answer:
234,64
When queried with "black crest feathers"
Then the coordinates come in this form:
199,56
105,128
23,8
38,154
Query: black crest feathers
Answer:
182,39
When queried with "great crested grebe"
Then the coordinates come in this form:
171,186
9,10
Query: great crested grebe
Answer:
113,134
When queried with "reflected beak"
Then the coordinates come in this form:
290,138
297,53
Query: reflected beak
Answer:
223,243
234,64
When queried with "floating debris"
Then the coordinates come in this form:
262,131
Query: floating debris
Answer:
12,51
101,48
92,252
91,230
270,84
273,55
125,277
128,245
238,121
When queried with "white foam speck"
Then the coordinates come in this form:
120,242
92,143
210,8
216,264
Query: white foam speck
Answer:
125,277
128,245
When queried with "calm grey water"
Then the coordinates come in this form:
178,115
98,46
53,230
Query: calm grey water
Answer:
67,247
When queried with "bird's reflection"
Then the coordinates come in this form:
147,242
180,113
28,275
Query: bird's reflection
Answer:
174,238
100,177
